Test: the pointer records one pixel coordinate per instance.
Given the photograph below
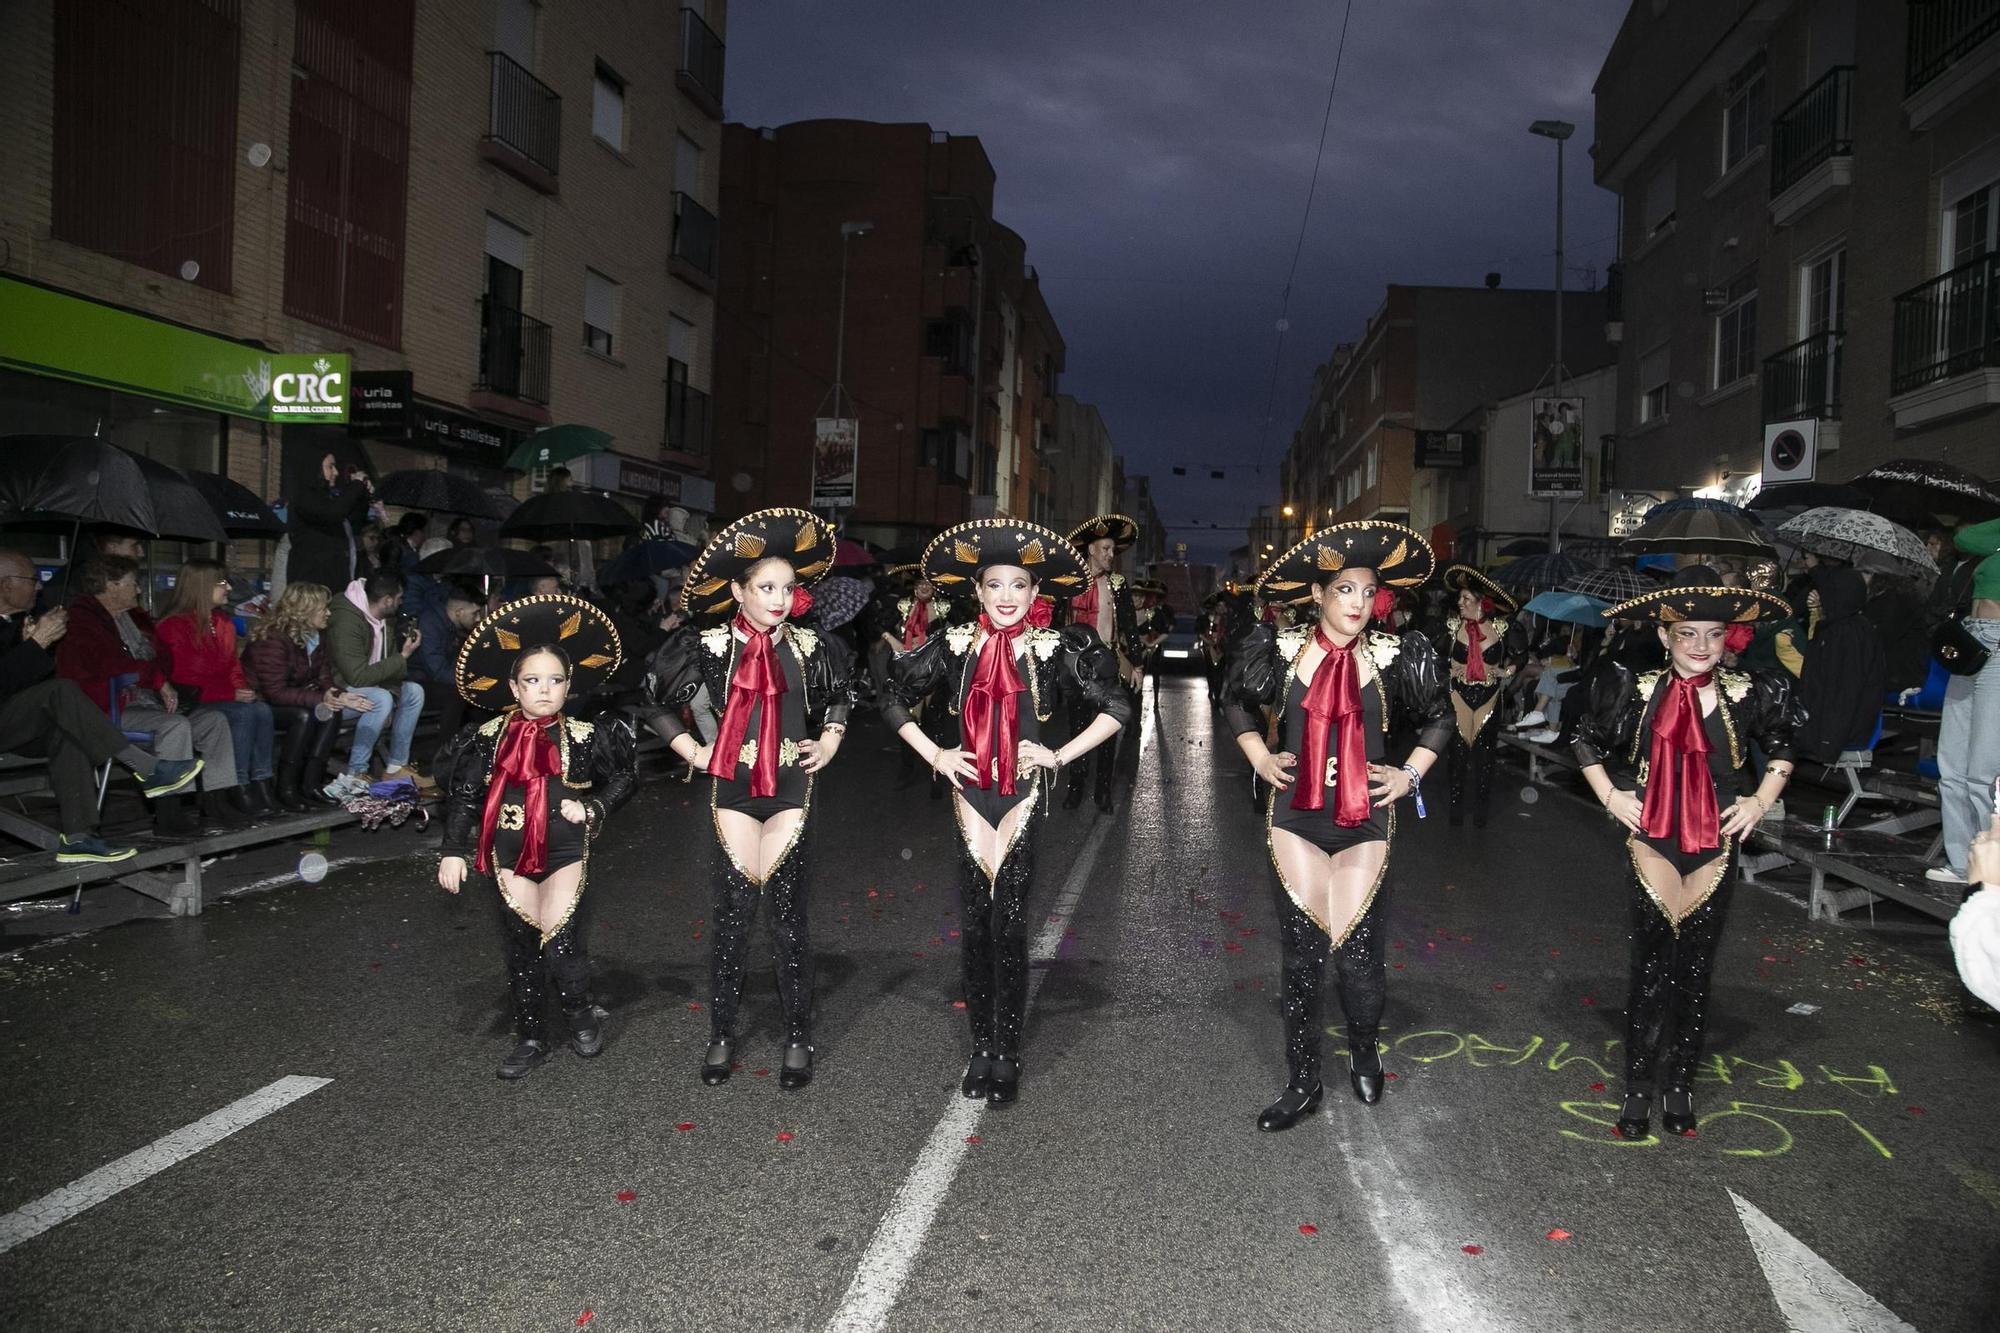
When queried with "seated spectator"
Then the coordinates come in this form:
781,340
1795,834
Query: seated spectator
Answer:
201,642
288,663
407,542
359,635
113,541
43,716
462,533
1842,668
444,613
110,636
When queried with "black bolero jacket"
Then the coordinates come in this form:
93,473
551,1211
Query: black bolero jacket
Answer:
692,658
1505,652
1406,668
1124,614
599,768
1612,731
1072,663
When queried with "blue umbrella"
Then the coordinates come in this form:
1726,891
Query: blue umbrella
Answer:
1572,608
642,560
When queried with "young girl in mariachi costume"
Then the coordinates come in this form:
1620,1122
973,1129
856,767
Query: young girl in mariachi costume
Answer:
1335,684
1485,649
529,794
778,697
1002,678
1680,739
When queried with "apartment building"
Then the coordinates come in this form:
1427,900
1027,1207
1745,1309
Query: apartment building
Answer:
493,215
1811,206
1078,463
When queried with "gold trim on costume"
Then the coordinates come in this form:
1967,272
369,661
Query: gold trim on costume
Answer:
1721,864
1388,840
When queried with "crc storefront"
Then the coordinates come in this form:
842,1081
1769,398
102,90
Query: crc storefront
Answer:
391,428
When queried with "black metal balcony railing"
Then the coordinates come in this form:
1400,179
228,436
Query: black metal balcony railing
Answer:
1818,125
1948,326
701,55
524,113
689,419
513,352
1804,379
1942,32
694,234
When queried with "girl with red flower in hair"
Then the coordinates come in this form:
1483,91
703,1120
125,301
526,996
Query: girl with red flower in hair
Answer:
1002,678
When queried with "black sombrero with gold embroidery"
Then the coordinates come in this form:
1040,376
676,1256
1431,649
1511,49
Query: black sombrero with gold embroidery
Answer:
1400,557
955,556
1698,593
1460,578
582,631
1120,529
797,535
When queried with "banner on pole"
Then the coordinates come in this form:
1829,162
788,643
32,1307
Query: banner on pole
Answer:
1555,451
836,443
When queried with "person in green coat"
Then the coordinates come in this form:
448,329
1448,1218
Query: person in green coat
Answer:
370,656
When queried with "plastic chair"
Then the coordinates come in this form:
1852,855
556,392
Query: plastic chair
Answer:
118,685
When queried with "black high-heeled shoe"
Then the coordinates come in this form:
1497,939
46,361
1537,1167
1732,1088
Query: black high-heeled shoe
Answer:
792,1076
978,1076
1635,1117
1367,1087
716,1066
1294,1105
1677,1112
1003,1085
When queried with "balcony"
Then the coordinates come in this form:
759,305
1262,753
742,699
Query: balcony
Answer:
692,257
689,420
1812,146
513,360
700,72
1949,54
1804,379
1945,353
523,124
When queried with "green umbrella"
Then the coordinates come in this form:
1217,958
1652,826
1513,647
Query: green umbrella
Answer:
557,444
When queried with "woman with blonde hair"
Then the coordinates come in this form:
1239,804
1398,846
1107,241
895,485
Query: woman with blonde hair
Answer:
288,663
201,645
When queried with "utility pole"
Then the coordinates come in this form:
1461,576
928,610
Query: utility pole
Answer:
1559,130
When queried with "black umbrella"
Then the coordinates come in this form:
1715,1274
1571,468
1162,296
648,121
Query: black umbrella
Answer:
1700,527
237,506
444,492
1800,496
647,559
485,562
1543,572
576,515
1926,492
90,480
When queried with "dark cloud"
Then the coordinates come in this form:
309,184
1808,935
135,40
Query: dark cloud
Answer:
1156,157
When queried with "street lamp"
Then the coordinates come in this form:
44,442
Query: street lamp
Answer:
848,231
1559,130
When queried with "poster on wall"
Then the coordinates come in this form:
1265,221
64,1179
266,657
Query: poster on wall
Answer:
1555,457
835,447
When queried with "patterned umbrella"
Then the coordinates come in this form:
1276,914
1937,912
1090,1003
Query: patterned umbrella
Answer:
1611,585
1700,527
1925,490
1865,540
1539,572
838,599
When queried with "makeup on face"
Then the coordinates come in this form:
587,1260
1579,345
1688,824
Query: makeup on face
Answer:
766,596
1005,594
1696,646
540,685
1345,602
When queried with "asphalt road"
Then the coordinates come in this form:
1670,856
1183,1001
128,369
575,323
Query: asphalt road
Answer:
1845,1156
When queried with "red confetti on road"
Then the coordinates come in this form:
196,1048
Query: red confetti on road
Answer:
874,893
1499,985
694,1004
1308,1229
784,1136
1597,1087
1473,1249
684,1126
1392,1077
761,1073
585,1317
958,1004
1558,1234
1399,968
1590,999
626,1196
1555,953
972,1138
1914,1110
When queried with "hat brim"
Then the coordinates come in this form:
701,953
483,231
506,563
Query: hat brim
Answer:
1399,555
955,556
1458,578
580,629
1122,531
1675,605
796,535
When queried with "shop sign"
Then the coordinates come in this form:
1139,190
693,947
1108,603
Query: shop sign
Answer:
458,433
380,396
1555,449
1447,448
46,332
835,444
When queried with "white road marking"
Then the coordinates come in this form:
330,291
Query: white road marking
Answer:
885,1265
292,876
1811,1294
31,1220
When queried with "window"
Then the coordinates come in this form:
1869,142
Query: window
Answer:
514,31
1373,459
1657,209
607,107
600,311
951,341
1971,225
1325,416
1823,294
687,166
1653,385
680,340
1736,331
1744,113
1374,381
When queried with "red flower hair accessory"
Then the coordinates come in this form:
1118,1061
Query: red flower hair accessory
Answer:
802,601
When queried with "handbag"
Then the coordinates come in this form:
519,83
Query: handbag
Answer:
1956,650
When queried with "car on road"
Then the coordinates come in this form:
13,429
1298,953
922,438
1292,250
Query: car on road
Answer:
1178,652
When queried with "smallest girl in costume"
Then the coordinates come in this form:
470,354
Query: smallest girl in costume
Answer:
1485,650
529,794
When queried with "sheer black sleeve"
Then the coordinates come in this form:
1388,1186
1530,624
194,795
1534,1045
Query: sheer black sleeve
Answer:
832,668
1250,679
1605,726
1419,674
915,676
1090,670
1774,713
673,678
465,801
614,770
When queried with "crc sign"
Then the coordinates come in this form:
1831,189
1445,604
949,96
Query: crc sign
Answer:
309,387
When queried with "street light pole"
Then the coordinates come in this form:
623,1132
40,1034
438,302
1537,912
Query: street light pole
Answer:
1559,130
848,231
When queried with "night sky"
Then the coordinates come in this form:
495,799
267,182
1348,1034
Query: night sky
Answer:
1156,159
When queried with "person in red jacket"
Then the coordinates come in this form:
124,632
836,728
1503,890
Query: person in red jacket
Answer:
201,641
289,667
108,637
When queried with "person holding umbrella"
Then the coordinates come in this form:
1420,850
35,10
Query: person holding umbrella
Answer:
1484,651
321,520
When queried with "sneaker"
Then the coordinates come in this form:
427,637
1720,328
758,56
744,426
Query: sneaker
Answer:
409,773
90,850
1543,737
1943,875
1534,719
169,776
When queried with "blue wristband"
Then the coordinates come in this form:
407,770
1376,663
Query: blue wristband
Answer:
1416,789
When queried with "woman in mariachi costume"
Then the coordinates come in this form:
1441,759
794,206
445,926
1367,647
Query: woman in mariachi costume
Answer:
1103,604
1485,649
529,794
778,699
1335,685
1680,739
1002,678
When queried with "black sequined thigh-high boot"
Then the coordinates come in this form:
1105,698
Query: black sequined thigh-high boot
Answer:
1688,982
1104,769
729,915
1010,963
975,936
791,949
1302,946
527,975
1484,751
1454,759
1361,973
1645,1008
1078,772
569,969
